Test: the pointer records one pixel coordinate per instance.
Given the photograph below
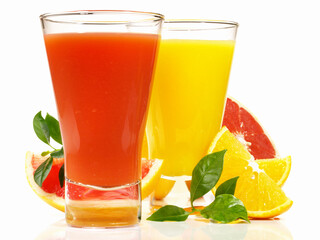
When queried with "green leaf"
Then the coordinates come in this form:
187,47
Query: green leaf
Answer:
45,153
225,208
54,128
61,176
169,213
228,187
206,174
43,171
41,128
58,153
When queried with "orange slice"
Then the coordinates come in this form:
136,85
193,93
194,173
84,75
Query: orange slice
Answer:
278,169
150,181
163,188
53,194
260,194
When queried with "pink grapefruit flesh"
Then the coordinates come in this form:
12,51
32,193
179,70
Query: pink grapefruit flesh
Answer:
248,131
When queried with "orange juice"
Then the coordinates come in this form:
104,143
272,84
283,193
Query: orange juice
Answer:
187,101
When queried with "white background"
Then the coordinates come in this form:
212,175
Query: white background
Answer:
275,74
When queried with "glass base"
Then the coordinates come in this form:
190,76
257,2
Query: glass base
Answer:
102,207
180,195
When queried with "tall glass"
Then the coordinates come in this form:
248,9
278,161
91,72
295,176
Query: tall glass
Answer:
101,65
188,97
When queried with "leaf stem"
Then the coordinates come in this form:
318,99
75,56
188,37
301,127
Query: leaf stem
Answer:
52,147
194,210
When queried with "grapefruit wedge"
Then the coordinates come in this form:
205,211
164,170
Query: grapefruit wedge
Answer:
248,130
52,193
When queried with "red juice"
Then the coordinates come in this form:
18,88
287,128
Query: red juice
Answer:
102,83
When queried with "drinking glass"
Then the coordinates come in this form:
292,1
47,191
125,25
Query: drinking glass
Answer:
188,99
101,65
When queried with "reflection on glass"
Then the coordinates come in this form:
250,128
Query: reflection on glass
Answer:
132,233
224,231
205,230
193,229
56,231
164,230
268,229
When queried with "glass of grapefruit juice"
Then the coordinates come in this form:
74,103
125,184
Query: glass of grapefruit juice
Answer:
188,96
101,65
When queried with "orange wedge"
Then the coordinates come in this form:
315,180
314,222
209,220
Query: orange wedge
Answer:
150,181
163,188
277,168
261,195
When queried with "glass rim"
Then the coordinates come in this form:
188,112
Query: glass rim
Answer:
48,16
223,24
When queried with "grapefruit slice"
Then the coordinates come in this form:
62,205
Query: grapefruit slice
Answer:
52,193
248,130
261,195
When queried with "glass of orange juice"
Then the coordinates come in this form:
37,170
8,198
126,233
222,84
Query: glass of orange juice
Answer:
101,65
188,98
